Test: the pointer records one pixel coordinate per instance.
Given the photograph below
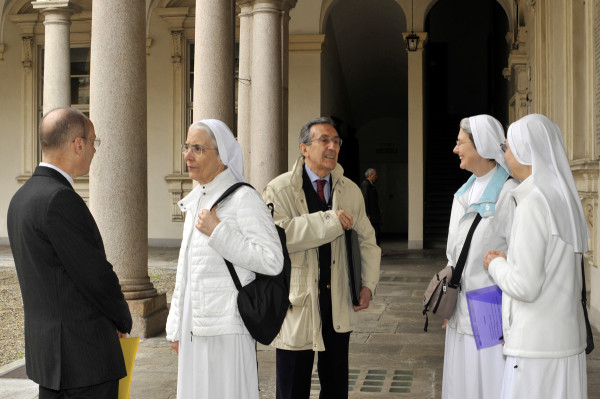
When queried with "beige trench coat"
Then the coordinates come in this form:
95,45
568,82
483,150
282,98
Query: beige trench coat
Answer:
305,232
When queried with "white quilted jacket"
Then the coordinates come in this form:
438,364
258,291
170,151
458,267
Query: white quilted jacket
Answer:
246,236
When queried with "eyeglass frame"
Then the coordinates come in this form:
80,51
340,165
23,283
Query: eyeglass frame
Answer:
459,143
326,140
503,147
97,141
195,148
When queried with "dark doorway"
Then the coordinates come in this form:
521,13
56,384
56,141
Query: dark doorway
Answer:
464,58
364,87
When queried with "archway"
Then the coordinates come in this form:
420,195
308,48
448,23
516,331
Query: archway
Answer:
464,58
364,87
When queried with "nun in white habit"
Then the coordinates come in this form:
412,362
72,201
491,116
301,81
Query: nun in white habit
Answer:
470,373
542,316
217,355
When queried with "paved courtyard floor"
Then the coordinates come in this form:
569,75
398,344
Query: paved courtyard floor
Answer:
390,355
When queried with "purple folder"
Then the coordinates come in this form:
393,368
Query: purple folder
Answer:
485,311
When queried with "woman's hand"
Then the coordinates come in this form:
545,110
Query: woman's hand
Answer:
175,346
208,221
490,256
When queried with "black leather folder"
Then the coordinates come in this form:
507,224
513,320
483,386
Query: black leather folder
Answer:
353,255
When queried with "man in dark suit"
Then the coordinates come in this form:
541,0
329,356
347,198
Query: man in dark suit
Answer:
75,311
372,202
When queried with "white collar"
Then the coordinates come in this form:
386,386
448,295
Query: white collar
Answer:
62,172
313,176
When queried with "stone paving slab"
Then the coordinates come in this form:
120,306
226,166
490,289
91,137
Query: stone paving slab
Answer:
390,355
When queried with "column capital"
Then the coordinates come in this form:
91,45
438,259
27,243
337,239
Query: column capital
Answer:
56,6
268,5
423,36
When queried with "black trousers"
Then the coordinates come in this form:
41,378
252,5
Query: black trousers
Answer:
106,390
294,368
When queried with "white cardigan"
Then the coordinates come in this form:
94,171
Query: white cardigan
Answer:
542,316
246,236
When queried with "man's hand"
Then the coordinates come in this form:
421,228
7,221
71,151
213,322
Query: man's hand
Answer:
121,335
208,221
490,256
365,298
345,219
175,346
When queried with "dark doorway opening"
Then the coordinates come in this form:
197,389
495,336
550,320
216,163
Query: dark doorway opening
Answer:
364,87
464,59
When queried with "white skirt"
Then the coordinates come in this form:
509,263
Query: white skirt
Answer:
470,373
563,378
215,367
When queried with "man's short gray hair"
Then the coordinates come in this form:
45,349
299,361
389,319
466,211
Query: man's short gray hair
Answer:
369,172
305,131
205,128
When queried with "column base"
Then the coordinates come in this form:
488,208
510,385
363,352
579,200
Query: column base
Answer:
415,244
149,315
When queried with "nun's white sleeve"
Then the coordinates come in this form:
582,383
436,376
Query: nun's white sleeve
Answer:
253,242
522,275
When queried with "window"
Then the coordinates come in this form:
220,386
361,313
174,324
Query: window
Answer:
80,83
80,79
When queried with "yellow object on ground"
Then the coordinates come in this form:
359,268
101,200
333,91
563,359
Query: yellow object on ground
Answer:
129,347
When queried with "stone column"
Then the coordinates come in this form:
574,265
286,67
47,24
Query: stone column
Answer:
415,144
266,114
213,55
57,65
285,75
244,83
118,176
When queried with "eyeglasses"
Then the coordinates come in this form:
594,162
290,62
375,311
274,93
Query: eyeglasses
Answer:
459,143
326,140
195,148
503,147
97,142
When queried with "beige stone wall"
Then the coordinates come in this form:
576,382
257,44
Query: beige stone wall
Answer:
304,71
160,157
594,281
10,125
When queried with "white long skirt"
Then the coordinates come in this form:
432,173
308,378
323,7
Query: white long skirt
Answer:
563,378
215,367
470,373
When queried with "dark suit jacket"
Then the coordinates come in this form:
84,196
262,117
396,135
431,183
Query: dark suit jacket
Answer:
72,298
371,201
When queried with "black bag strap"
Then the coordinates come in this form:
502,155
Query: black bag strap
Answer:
462,259
234,276
230,190
588,328
583,289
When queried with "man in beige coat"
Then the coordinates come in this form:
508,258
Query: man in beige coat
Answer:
315,203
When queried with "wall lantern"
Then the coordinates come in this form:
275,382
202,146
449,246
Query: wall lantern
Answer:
412,40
